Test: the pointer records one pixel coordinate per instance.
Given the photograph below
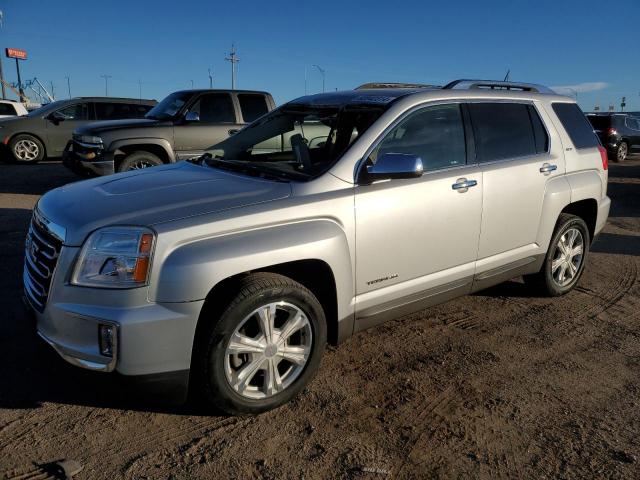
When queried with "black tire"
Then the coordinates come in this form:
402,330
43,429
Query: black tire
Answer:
26,148
544,281
622,152
253,292
138,160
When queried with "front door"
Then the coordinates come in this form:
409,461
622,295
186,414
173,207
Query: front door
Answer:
417,239
62,123
217,120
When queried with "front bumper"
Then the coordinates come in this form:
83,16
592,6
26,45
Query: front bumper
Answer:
75,159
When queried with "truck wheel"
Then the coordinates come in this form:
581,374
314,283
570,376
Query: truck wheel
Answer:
565,259
26,149
622,152
138,160
264,347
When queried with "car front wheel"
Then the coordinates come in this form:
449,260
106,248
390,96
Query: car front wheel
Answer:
138,160
264,348
622,152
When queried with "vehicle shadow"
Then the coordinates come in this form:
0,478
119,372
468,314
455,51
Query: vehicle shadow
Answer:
34,179
617,243
31,372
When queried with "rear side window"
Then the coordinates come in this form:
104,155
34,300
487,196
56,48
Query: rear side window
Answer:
116,111
578,128
7,109
252,106
79,111
599,122
215,108
507,130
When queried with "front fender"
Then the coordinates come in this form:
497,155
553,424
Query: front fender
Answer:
160,142
189,271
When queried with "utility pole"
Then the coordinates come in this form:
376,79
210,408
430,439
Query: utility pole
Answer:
106,84
191,83
140,89
68,86
210,78
233,58
322,72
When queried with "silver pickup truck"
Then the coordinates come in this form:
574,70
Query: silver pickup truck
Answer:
229,273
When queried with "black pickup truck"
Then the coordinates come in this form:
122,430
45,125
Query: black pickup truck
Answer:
183,125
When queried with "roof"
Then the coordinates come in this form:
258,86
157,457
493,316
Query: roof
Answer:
220,90
113,99
375,96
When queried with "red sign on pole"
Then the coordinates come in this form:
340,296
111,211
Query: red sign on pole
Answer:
16,53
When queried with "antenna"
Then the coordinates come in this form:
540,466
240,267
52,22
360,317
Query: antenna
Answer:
233,58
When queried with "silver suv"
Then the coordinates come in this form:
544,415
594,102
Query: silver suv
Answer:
229,273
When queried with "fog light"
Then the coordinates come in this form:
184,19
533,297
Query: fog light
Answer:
106,334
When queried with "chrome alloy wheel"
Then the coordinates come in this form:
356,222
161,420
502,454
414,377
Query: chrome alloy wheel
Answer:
622,152
141,164
568,257
26,150
268,350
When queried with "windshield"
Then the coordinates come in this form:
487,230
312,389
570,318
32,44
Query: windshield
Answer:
169,107
44,109
295,141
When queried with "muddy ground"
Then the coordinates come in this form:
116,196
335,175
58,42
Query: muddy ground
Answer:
500,384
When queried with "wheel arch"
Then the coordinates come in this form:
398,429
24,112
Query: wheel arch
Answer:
159,147
587,209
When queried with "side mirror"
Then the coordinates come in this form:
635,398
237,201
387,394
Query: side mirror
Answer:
192,117
57,117
395,165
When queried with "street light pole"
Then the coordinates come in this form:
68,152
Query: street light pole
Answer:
106,84
322,72
233,58
68,86
210,79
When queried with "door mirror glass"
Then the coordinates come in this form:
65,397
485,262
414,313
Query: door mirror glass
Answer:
192,117
395,165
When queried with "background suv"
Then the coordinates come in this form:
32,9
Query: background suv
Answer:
231,271
183,125
618,132
44,132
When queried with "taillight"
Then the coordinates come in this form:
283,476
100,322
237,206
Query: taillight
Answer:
605,158
612,131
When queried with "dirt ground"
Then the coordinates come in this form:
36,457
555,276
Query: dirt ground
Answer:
500,384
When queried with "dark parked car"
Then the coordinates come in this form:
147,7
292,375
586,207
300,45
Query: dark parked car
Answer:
618,132
44,132
183,125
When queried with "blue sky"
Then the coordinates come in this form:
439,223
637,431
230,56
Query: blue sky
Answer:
582,44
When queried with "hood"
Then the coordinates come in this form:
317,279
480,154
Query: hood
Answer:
151,196
111,125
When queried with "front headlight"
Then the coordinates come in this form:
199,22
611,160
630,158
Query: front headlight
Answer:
115,257
90,139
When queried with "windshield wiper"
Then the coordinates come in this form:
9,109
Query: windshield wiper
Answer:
243,167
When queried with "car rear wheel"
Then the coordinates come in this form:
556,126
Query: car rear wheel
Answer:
26,149
565,259
264,347
622,152
138,160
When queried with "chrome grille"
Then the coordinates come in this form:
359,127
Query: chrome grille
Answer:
42,249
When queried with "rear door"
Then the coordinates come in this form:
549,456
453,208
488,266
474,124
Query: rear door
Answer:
512,146
217,120
59,131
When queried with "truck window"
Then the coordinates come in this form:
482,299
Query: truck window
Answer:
252,106
7,109
215,108
578,128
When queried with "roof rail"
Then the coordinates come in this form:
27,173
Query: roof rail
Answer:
466,84
373,85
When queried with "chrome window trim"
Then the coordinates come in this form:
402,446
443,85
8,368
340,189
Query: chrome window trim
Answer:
362,162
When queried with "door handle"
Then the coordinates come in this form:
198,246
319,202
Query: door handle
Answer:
547,168
233,131
462,185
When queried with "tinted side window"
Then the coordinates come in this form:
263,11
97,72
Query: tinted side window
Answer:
252,106
576,124
632,123
115,111
7,109
539,132
435,134
502,130
79,111
215,107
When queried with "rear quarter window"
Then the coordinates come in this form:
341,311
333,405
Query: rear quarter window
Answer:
577,126
253,106
7,109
